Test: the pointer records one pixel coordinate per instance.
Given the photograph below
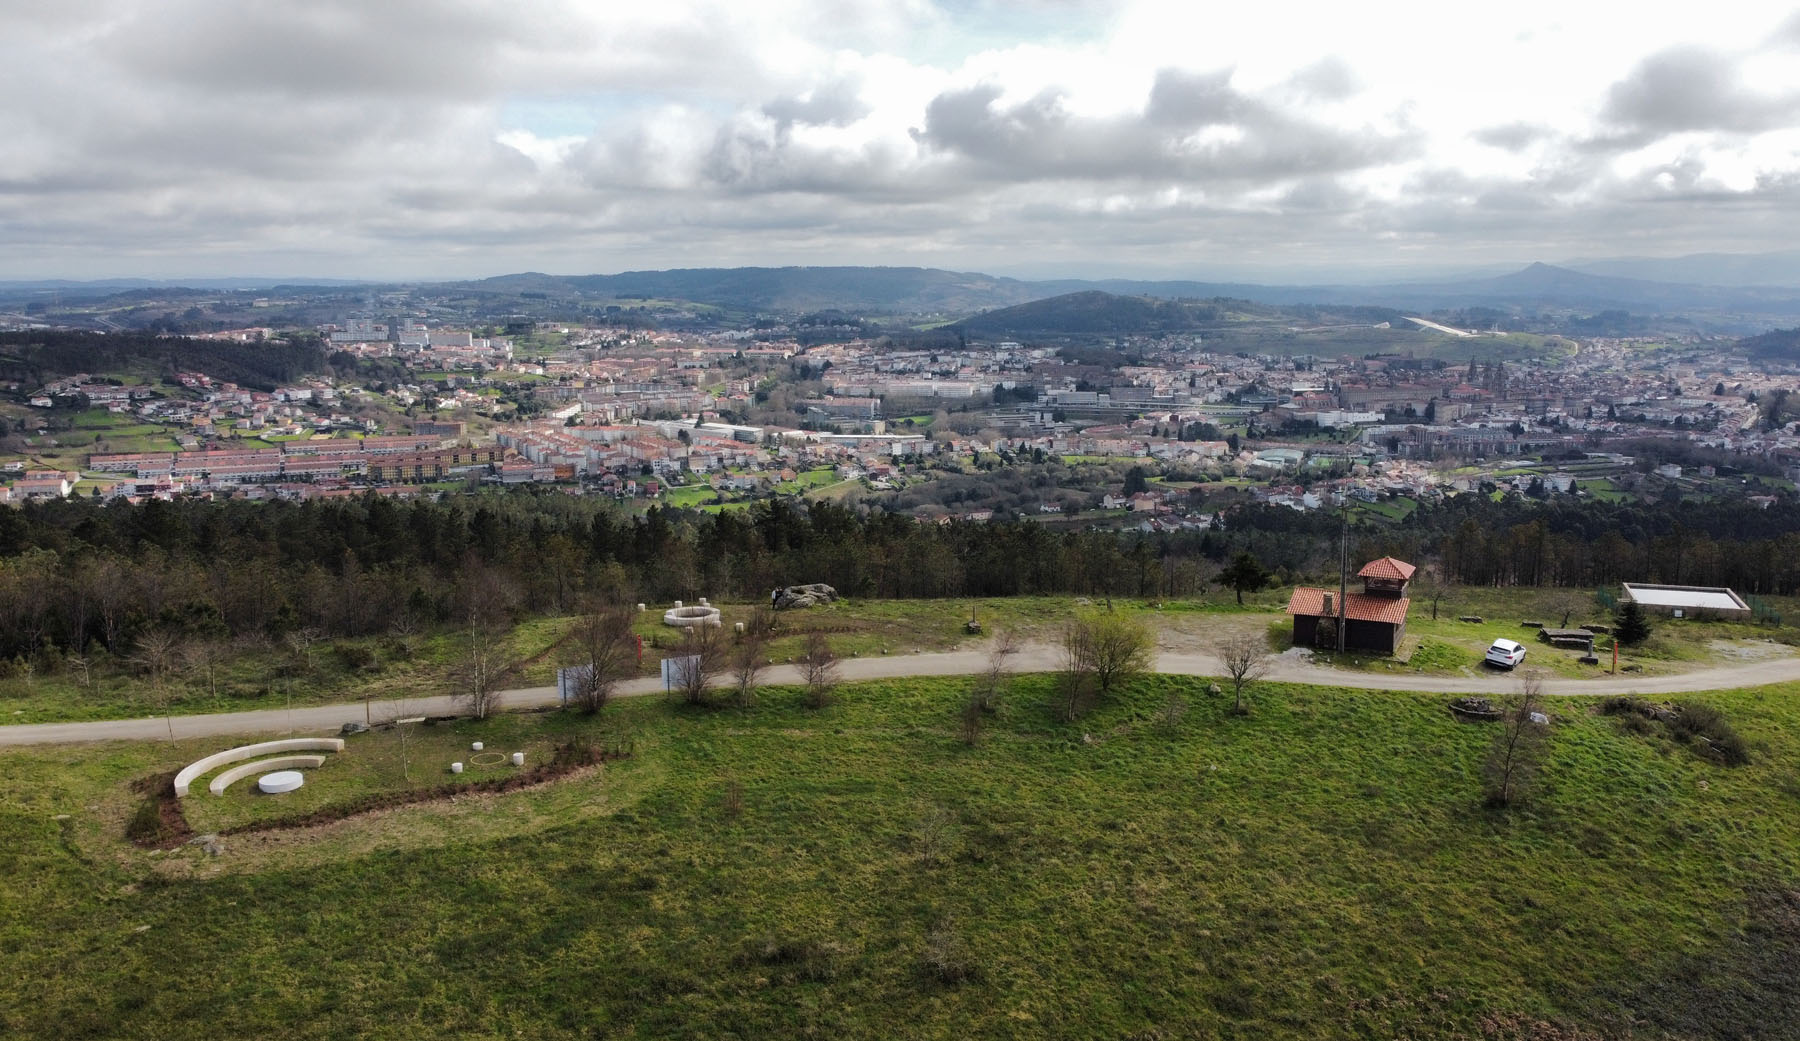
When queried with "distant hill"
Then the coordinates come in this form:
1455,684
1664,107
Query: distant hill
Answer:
1091,313
1705,269
910,290
110,286
1783,344
936,291
949,295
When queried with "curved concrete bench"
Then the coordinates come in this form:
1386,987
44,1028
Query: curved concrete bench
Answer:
232,755
286,762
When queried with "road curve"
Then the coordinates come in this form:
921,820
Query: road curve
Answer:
1032,658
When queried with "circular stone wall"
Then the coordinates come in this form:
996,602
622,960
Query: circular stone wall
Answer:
683,617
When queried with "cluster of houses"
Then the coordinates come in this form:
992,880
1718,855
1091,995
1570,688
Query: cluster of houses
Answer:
739,457
39,484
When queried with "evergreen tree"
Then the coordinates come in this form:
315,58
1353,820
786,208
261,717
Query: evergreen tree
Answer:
1246,574
1630,626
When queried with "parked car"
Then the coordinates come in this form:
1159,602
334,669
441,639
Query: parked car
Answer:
1506,654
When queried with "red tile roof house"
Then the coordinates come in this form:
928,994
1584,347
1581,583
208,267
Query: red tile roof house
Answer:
1374,619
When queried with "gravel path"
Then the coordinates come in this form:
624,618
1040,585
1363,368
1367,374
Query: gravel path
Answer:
1032,658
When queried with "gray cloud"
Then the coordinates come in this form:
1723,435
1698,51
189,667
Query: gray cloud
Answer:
1038,138
1514,137
834,103
1687,88
1196,99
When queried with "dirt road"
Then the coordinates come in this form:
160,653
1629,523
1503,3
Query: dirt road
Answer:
1031,658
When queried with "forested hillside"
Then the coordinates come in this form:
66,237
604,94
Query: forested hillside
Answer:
75,574
37,355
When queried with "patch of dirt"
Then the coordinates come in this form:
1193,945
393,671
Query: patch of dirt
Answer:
1188,632
1749,650
158,822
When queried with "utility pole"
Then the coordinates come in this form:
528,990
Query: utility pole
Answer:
1343,568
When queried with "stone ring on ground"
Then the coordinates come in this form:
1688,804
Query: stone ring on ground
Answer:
685,617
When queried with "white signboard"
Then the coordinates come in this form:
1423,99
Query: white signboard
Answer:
675,671
569,681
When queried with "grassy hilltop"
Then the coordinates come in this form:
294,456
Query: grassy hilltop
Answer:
1320,868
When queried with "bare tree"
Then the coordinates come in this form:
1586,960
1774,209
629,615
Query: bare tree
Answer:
1246,660
1429,585
481,671
84,666
819,670
1517,754
604,655
703,654
991,682
1076,678
156,652
750,656
1100,650
300,644
205,657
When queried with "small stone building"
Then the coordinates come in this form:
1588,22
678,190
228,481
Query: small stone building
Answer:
1374,620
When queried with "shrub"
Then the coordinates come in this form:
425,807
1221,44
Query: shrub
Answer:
1696,720
971,717
945,957
357,658
1708,725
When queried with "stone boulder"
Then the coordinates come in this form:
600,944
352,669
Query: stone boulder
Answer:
810,595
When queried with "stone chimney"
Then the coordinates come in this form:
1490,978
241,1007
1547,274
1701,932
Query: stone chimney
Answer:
1329,605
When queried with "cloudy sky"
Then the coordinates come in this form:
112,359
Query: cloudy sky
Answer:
445,138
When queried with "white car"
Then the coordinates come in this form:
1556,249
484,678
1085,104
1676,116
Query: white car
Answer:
1506,654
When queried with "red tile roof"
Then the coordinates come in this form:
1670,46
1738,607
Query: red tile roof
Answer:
1387,567
1359,606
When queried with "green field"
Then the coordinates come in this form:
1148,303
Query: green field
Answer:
262,674
689,495
1389,510
1322,868
807,480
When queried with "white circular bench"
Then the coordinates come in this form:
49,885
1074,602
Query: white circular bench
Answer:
281,781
